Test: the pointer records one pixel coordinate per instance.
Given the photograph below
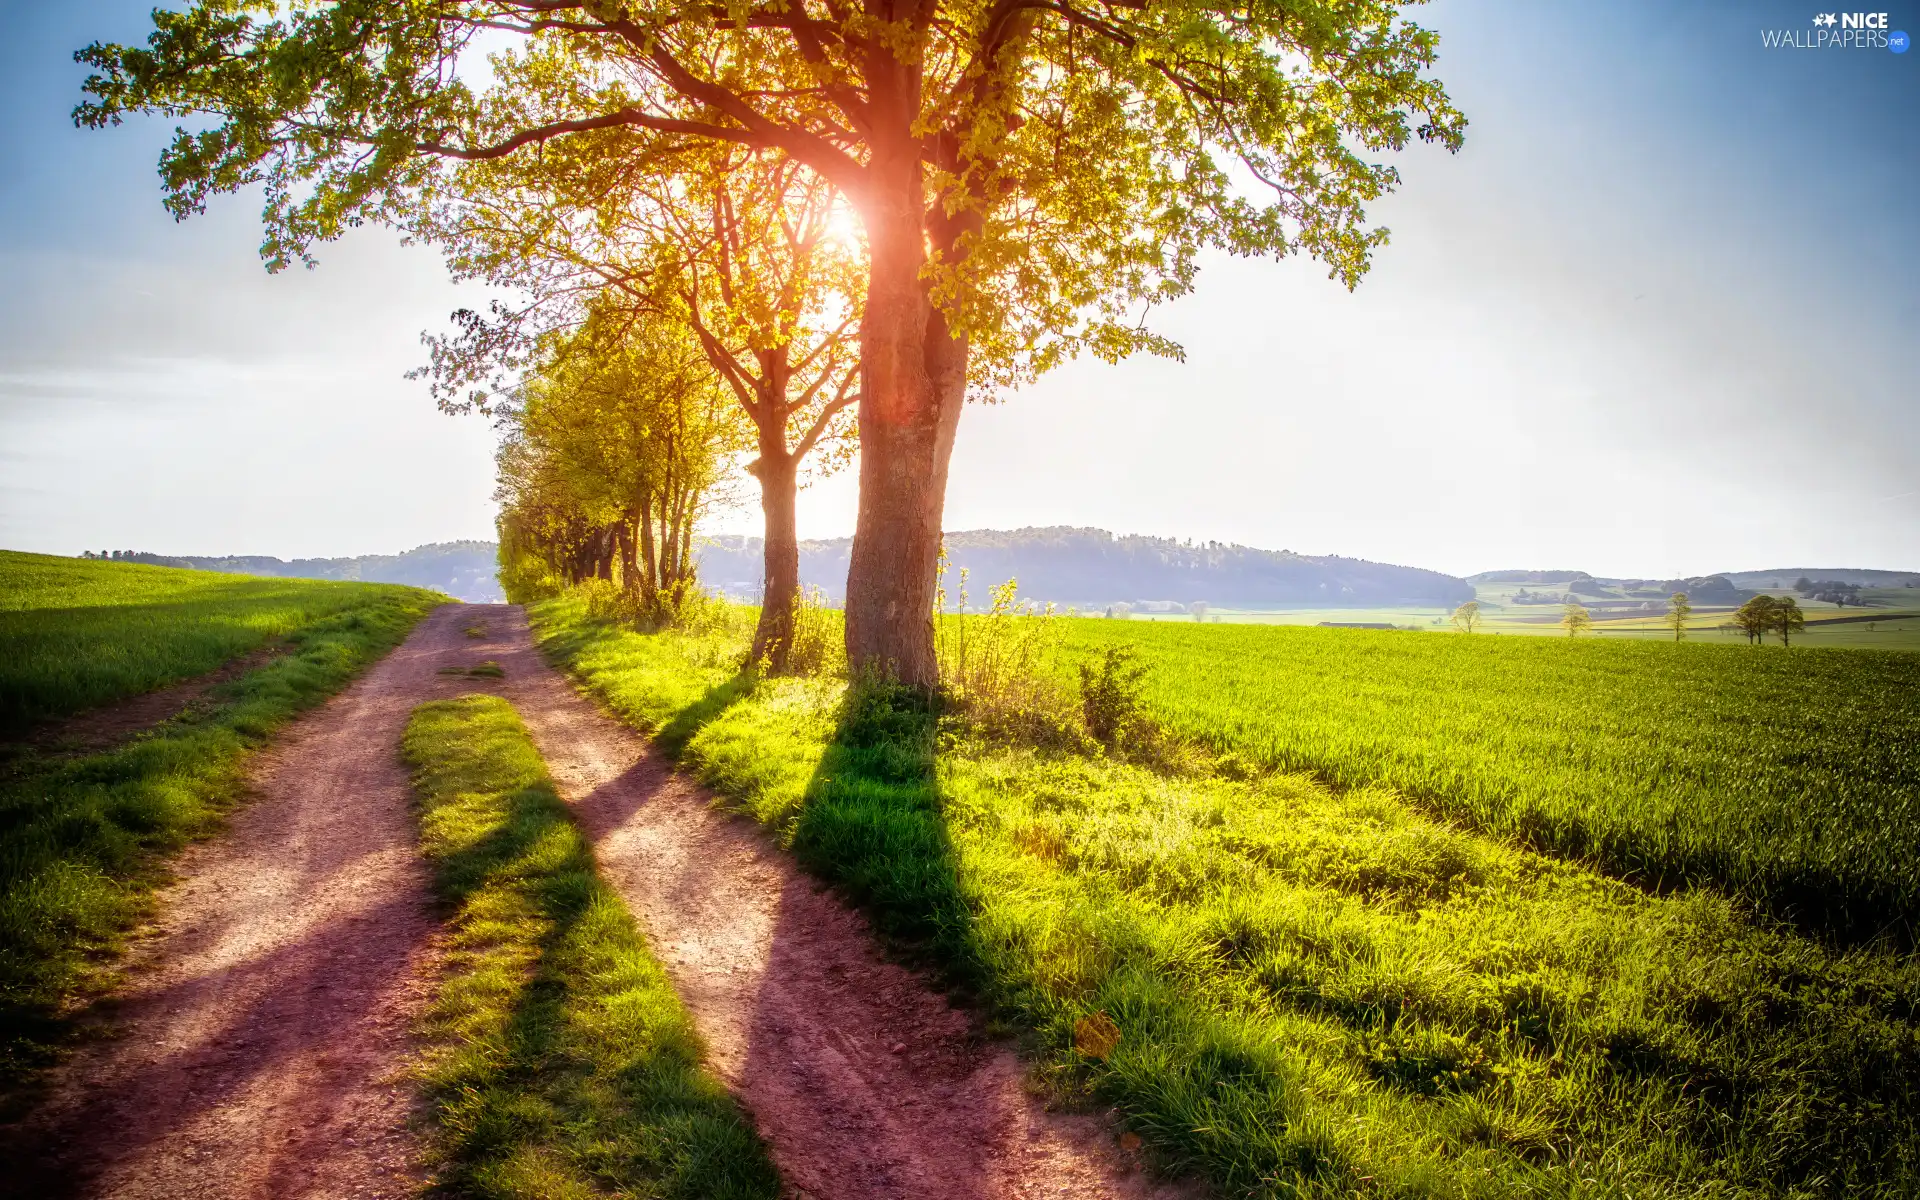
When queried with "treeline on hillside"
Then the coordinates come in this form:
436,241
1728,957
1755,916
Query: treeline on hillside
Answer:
1571,586
464,570
1094,568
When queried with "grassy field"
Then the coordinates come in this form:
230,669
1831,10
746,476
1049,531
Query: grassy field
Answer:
1792,776
79,633
562,1064
81,835
1318,991
1893,624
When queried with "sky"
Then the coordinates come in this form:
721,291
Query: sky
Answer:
1658,318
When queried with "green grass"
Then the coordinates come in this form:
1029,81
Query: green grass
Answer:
1319,992
1791,776
82,838
563,1064
80,633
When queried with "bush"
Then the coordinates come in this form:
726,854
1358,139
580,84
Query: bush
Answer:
1110,694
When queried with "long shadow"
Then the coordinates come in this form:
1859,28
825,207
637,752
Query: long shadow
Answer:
872,824
279,1027
868,1083
538,1091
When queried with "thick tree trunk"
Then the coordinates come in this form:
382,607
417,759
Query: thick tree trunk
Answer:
780,595
912,385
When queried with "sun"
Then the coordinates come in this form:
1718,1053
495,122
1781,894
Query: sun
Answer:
843,225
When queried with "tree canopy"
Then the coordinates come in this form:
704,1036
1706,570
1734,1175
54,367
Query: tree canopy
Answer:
1030,174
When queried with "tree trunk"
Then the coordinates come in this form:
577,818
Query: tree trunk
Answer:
780,595
629,574
912,384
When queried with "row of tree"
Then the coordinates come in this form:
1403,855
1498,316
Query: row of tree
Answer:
832,212
1834,591
1576,620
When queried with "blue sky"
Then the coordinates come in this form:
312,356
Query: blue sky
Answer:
1658,318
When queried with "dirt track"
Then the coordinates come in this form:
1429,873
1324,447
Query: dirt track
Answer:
866,1083
265,1020
264,1016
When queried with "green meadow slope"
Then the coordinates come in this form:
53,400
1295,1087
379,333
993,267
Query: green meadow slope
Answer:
82,836
79,633
1318,984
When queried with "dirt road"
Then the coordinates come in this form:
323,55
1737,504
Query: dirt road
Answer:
265,1016
865,1082
264,1023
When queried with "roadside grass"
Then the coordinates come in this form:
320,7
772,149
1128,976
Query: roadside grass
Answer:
1316,992
83,838
562,1064
1789,776
78,633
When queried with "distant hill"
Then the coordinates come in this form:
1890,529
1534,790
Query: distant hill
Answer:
1701,589
1092,568
1784,577
461,569
1727,587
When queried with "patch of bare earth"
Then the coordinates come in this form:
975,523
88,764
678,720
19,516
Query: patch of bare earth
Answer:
256,1046
863,1079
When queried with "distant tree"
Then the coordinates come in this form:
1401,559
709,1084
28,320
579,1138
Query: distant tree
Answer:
1678,610
1803,585
1755,617
1576,620
1467,616
1199,610
1788,619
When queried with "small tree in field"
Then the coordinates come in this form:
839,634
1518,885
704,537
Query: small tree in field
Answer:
1678,610
1467,616
1788,619
1755,617
1576,620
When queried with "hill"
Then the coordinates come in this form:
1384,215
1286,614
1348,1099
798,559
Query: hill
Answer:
1092,568
461,569
1784,576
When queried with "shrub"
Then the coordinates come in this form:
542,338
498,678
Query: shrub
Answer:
1110,694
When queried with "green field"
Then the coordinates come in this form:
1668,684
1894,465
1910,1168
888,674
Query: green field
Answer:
1324,986
1792,776
1891,622
560,1063
82,836
79,633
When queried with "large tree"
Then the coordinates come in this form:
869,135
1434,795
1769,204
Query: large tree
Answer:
1029,173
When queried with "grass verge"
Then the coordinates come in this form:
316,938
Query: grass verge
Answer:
564,1065
82,839
1315,993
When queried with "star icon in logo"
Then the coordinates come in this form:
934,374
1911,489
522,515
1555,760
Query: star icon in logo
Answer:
1826,19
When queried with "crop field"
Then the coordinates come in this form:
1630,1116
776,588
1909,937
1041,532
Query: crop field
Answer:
1894,624
1299,982
80,633
1791,776
81,834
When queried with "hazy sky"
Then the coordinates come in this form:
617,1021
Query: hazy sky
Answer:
1657,318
